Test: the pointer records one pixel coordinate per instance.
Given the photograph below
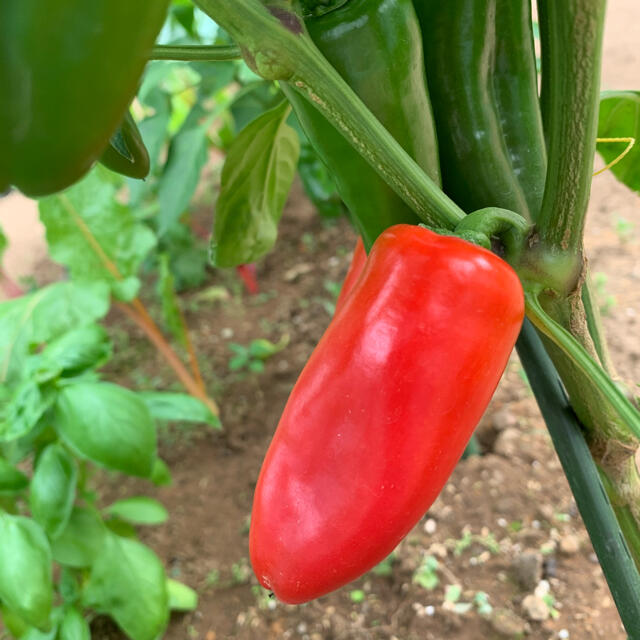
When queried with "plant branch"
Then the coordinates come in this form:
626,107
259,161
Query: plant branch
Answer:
139,314
571,38
276,45
191,53
191,352
590,369
594,325
611,548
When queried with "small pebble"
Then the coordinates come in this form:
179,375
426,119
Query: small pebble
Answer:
430,526
569,544
535,608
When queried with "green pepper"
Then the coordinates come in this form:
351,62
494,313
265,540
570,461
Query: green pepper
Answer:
483,84
126,153
68,72
376,47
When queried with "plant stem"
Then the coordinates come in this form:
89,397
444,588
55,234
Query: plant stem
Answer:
189,53
591,370
594,324
591,498
139,314
276,45
191,352
571,37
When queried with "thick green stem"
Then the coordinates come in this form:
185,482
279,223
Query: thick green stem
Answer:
571,38
214,53
611,548
276,45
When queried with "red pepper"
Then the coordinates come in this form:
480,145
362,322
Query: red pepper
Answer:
355,269
247,273
383,410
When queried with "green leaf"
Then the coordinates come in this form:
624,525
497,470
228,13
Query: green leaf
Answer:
319,184
253,100
43,316
87,215
178,406
16,626
170,302
26,585
187,155
107,424
153,130
20,409
80,349
256,179
82,539
264,349
68,585
161,475
53,489
128,582
189,256
139,510
181,597
11,480
74,626
620,118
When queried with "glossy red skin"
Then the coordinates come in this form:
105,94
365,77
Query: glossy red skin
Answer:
382,411
355,269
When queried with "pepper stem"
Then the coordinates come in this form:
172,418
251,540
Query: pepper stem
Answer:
509,226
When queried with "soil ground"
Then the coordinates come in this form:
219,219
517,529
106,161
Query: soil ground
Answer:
505,525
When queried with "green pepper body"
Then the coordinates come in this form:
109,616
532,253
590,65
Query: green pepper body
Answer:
376,47
483,86
126,153
68,72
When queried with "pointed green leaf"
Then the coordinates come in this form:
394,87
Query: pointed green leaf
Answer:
178,406
181,597
86,225
53,489
620,118
74,626
20,409
107,424
187,156
256,179
26,585
161,475
11,480
80,349
128,582
43,316
81,540
139,510
170,302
